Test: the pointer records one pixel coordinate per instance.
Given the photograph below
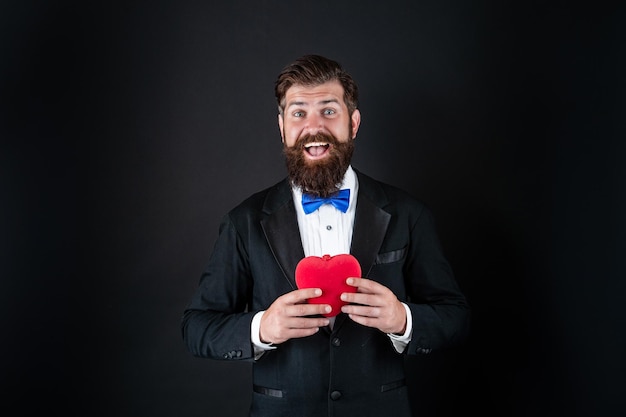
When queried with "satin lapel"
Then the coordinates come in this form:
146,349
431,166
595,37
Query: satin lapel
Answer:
282,234
370,228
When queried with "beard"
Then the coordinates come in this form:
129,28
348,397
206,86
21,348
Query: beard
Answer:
321,178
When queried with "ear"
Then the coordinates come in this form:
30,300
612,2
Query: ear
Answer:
280,126
356,122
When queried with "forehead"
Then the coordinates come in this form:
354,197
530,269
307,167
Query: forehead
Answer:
298,94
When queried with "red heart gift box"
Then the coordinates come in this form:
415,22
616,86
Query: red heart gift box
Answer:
328,273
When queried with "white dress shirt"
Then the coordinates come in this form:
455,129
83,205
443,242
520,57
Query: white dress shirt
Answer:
328,231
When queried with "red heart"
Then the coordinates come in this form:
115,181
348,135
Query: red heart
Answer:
328,273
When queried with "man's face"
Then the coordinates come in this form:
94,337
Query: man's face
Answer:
318,134
309,110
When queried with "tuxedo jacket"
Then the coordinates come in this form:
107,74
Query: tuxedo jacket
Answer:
351,370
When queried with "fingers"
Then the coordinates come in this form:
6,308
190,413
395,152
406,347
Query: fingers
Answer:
290,316
300,296
366,285
374,305
388,319
276,328
296,305
304,310
369,300
368,292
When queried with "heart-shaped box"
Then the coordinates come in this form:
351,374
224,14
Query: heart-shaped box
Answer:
328,273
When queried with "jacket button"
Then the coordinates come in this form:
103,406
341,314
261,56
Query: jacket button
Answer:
335,395
336,342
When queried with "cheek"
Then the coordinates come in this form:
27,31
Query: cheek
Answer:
291,135
341,132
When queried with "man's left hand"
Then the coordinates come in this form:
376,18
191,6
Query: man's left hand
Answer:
374,305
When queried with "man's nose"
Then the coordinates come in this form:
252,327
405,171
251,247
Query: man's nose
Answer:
315,124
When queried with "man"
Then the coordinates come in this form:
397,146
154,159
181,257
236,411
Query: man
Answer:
309,360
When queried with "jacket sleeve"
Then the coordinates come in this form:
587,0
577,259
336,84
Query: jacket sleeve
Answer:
439,309
216,323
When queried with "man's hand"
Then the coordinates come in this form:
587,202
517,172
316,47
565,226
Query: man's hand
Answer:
377,307
286,318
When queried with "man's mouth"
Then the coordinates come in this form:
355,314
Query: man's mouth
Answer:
316,149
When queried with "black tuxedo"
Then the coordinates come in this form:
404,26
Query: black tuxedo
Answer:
353,370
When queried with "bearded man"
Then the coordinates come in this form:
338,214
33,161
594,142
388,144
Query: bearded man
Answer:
309,360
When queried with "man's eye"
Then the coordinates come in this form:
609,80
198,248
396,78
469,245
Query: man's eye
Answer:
298,114
328,112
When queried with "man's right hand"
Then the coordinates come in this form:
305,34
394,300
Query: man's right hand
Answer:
287,317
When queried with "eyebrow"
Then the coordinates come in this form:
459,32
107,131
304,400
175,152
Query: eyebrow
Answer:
322,102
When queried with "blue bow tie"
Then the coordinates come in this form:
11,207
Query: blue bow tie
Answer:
340,201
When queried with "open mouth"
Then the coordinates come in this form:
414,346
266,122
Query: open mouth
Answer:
316,149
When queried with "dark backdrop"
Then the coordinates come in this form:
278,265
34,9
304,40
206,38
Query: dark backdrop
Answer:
128,130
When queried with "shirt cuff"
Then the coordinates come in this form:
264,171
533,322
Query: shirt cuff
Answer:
401,341
259,347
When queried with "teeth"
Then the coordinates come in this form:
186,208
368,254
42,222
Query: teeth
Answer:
308,145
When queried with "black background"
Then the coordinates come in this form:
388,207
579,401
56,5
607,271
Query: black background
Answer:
128,129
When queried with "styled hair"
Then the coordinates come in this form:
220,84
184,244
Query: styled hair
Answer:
311,71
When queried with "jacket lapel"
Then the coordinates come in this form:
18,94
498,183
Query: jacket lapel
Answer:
370,227
281,230
370,223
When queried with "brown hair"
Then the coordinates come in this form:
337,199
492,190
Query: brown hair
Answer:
313,70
